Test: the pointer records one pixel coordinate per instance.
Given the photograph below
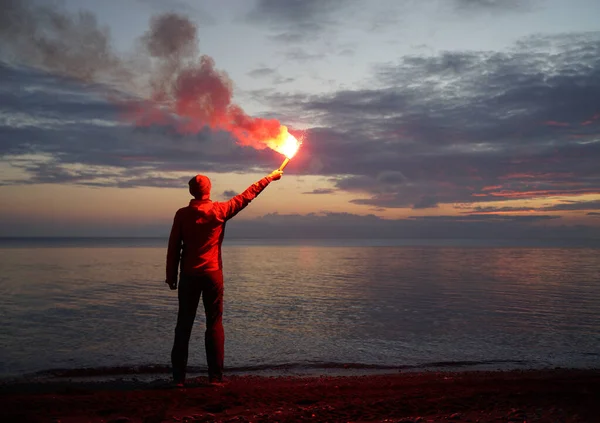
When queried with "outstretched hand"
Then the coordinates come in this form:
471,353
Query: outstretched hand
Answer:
276,175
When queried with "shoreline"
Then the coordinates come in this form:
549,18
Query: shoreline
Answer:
140,376
565,395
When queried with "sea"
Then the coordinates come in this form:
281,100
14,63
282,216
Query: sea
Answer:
99,307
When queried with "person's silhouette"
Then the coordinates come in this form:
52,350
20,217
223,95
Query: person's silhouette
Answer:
195,252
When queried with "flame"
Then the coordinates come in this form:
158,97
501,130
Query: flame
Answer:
285,143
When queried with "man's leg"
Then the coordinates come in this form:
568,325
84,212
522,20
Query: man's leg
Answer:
214,338
189,297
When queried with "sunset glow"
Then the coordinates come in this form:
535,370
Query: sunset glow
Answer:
428,128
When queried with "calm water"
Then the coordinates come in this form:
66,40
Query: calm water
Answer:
312,305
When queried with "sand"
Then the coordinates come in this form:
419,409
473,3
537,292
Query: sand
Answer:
557,395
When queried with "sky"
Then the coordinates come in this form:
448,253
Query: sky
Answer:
429,118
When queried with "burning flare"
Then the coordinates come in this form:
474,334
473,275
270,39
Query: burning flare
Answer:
286,144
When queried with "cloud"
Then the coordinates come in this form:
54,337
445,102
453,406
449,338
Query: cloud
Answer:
275,77
300,21
262,72
495,5
320,191
297,21
463,127
180,6
299,54
565,206
426,202
488,217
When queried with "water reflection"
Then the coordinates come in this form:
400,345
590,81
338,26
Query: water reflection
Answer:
379,305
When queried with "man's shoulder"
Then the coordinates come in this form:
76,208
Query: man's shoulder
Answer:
192,205
182,211
205,207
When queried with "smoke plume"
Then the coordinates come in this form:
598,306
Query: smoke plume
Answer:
171,81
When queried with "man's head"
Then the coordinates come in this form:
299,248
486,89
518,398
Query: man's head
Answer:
200,187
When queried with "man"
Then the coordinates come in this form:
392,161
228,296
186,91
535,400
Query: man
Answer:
195,250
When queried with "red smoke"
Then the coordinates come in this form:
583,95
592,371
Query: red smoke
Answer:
201,96
173,84
191,89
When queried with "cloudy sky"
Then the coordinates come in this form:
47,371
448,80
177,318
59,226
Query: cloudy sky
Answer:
449,118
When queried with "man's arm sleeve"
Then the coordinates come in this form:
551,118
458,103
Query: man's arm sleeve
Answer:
237,203
174,250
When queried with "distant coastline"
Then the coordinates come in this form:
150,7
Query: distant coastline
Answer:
157,241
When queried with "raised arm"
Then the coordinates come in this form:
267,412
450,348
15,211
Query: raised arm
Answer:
237,203
174,252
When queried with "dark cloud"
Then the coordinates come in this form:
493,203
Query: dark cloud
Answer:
488,218
463,127
275,77
495,5
262,72
278,80
394,13
302,55
180,6
320,191
72,45
426,202
298,20
563,206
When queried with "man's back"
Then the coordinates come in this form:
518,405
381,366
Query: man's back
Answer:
202,226
198,230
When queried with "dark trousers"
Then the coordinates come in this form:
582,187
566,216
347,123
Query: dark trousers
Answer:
191,288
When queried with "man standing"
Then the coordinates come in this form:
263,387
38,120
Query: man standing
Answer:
195,250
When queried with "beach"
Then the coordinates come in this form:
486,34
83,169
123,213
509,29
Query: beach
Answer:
557,395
